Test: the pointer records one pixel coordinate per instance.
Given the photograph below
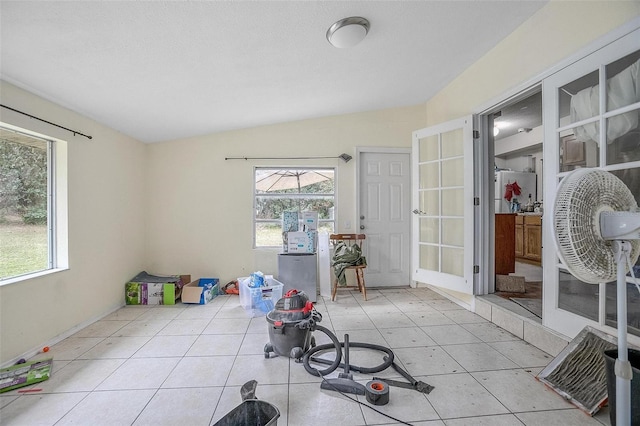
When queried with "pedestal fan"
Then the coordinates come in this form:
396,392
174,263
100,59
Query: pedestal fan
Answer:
597,233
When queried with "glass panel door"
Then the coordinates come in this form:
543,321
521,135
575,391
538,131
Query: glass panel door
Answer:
592,115
443,200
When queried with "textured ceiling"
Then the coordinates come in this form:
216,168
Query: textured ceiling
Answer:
162,70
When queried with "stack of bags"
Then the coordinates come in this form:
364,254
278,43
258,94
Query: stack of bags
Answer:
299,237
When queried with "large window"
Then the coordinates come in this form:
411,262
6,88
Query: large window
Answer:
291,189
26,208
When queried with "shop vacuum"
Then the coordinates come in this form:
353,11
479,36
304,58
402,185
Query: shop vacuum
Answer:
291,324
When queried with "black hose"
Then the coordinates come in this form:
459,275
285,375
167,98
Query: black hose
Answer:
388,360
333,365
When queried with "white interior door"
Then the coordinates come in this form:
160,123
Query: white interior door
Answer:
443,219
385,218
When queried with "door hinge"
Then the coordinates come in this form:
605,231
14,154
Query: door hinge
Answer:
476,134
476,269
476,201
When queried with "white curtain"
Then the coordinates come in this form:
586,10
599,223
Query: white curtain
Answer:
622,89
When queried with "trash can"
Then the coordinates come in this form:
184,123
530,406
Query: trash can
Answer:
251,412
610,361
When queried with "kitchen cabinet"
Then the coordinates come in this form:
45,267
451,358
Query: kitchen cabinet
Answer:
528,238
519,248
505,243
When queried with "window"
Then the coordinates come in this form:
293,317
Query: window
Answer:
26,208
291,189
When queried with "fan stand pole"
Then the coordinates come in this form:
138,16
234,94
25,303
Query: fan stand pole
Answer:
622,367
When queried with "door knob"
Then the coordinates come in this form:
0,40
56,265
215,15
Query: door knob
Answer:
362,217
415,211
361,226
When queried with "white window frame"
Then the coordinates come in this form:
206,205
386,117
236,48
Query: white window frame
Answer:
292,196
57,210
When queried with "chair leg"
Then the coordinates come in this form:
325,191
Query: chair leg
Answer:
334,290
362,284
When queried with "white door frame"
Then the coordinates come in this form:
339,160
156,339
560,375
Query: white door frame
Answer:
378,150
485,190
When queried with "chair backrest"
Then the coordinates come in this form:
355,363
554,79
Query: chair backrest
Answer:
348,238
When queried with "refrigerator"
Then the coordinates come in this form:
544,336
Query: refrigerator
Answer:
299,271
525,180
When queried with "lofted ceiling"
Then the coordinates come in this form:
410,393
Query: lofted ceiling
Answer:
165,70
521,116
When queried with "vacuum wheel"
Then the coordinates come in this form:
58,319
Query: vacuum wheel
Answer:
268,348
296,353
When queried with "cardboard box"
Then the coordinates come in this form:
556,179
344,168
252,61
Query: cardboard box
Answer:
201,291
259,300
150,293
301,242
309,221
26,374
146,289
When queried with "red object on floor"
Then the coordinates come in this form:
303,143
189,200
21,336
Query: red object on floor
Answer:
232,288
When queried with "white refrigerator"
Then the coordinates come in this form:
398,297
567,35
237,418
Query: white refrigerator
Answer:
525,180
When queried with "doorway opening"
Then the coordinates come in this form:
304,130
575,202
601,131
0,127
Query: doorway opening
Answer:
516,135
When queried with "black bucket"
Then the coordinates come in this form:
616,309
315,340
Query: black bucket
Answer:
252,412
610,361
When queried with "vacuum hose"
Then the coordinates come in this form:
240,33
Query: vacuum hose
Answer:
388,360
335,344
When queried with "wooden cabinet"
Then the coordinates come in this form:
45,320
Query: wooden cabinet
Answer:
529,238
519,234
505,243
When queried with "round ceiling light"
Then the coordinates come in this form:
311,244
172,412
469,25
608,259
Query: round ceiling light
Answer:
348,32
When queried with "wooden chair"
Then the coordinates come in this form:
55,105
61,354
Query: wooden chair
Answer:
350,239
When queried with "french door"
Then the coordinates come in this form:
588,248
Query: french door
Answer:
443,205
592,119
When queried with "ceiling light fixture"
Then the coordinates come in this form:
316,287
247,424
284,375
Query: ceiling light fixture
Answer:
348,32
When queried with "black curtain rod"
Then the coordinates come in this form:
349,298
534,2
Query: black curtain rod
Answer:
48,122
344,157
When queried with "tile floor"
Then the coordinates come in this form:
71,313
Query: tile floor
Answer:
184,365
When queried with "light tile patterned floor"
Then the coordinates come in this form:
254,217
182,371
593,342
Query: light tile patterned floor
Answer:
184,365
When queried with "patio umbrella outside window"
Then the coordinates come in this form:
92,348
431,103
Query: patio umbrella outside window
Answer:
278,180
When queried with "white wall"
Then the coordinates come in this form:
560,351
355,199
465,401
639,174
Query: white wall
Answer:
557,31
200,206
106,213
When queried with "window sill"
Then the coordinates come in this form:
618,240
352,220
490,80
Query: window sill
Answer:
21,278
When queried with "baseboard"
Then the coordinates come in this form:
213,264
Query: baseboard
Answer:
35,351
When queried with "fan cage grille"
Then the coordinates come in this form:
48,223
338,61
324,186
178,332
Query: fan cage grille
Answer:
581,196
